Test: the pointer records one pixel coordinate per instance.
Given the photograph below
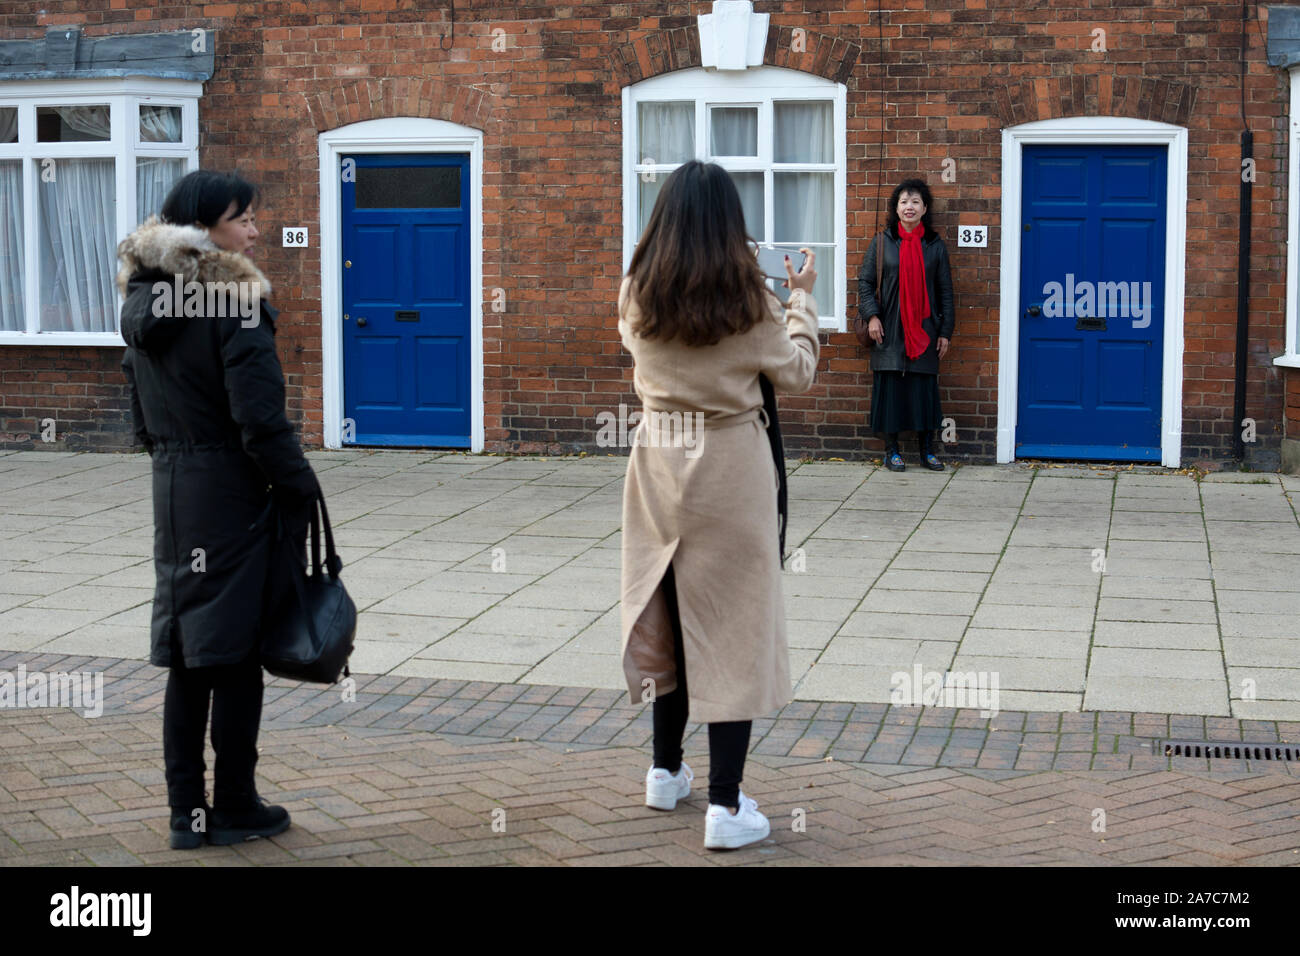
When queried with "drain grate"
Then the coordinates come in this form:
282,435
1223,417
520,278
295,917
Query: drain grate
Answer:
1229,750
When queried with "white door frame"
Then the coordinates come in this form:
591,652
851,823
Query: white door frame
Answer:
403,134
1093,131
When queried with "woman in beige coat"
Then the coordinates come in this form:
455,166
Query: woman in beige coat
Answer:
701,583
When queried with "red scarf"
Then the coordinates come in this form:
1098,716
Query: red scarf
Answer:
913,299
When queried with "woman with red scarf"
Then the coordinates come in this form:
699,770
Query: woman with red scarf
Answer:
907,323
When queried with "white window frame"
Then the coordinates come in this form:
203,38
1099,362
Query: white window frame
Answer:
761,87
123,96
1291,358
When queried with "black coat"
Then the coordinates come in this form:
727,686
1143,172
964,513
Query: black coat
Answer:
207,402
891,355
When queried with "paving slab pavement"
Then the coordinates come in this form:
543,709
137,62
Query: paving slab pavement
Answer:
1075,588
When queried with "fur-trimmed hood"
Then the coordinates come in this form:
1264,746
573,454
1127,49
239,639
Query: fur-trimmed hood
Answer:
187,250
160,251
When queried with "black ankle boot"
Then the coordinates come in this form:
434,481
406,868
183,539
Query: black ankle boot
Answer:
237,825
188,827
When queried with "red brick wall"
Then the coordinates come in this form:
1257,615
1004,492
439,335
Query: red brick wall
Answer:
81,389
955,73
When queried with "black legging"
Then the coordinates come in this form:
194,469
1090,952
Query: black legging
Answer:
728,741
236,692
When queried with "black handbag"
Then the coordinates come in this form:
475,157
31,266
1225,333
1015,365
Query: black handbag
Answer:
310,636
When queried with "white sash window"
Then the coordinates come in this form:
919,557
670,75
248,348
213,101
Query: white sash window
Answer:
81,165
781,136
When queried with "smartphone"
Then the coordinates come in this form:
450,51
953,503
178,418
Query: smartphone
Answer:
772,261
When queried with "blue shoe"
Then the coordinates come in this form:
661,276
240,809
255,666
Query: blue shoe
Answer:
894,461
934,464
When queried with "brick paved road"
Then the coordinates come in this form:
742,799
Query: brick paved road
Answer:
375,784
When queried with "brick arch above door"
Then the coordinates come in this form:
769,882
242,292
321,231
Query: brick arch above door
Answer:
393,97
665,51
1094,94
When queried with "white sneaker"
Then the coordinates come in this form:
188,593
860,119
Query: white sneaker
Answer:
723,831
664,789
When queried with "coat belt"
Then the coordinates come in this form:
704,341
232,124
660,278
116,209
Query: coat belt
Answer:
726,421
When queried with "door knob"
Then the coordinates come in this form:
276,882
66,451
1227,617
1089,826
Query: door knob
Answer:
347,263
361,320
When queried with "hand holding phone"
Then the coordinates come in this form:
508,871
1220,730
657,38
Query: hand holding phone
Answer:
772,262
807,276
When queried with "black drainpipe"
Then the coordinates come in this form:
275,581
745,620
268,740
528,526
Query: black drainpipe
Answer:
1247,172
1243,296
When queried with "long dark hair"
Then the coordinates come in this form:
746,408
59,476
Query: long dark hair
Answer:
910,186
204,196
694,274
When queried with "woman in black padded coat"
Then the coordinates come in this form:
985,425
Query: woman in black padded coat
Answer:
207,401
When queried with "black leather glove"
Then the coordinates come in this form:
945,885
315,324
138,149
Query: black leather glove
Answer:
295,508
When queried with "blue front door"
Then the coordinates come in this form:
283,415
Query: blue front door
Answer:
406,300
1092,302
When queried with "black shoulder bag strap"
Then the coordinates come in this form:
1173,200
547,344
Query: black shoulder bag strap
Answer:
778,458
332,564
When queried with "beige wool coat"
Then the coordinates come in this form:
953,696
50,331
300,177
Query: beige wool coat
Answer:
706,503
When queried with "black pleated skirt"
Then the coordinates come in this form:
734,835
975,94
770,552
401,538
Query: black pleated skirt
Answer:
905,403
